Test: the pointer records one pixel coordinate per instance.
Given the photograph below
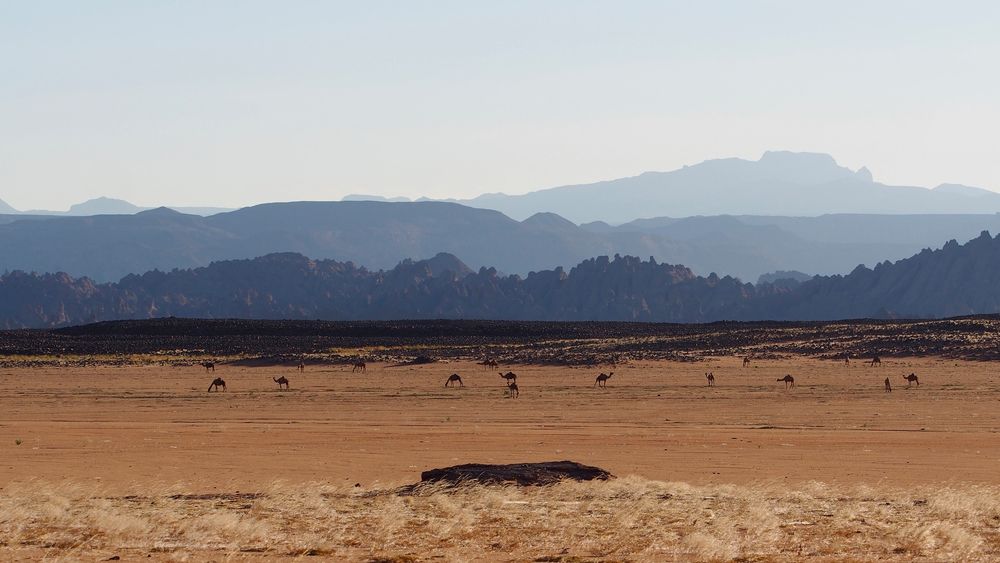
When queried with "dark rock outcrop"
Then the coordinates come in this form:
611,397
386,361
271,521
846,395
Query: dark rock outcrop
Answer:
523,474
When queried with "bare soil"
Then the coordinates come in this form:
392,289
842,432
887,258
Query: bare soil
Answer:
147,432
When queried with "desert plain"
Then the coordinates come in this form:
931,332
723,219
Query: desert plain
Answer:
112,447
140,461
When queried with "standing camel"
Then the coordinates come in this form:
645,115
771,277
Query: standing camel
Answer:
847,360
911,379
876,361
216,383
509,376
888,386
452,379
513,390
302,367
789,381
281,381
359,366
746,361
209,366
602,380
490,364
711,379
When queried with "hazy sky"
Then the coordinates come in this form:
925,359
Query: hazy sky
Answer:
239,102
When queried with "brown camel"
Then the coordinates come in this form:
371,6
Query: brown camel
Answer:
746,361
359,366
911,379
302,367
513,390
602,380
789,381
452,379
281,381
847,360
888,386
876,361
509,376
216,383
209,366
490,364
711,379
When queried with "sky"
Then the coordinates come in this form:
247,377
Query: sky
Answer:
232,103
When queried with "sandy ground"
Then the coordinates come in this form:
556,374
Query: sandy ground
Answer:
130,430
127,427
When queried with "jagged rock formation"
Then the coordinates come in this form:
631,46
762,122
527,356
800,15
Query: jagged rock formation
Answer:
954,280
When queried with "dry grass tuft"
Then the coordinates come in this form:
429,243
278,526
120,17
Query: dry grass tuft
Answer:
622,519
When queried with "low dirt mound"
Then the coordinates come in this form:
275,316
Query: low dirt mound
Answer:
524,474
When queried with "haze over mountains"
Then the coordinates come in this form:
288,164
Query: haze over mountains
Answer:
780,183
106,206
954,280
379,235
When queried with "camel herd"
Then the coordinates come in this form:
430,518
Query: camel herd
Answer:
510,378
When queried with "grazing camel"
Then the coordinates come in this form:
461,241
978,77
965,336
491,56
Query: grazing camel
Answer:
513,390
711,379
876,361
746,361
216,383
888,386
281,381
789,381
602,380
509,376
209,366
359,366
452,379
911,379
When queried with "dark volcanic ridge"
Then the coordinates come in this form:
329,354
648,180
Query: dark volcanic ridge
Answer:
955,280
249,342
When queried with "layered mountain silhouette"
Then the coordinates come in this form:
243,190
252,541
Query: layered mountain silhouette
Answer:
106,206
954,280
780,183
379,235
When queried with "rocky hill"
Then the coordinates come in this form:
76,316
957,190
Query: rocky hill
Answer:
954,280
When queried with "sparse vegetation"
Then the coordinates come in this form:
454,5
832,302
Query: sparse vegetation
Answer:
623,519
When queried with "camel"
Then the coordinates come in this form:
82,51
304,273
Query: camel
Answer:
602,380
789,381
490,364
359,366
509,376
453,378
847,360
911,379
711,379
281,381
216,383
209,366
513,390
746,361
888,386
876,361
302,367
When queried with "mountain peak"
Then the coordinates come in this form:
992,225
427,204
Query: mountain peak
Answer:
104,206
7,209
806,167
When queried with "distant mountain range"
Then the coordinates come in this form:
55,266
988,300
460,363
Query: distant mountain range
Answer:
379,235
780,183
955,280
106,206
